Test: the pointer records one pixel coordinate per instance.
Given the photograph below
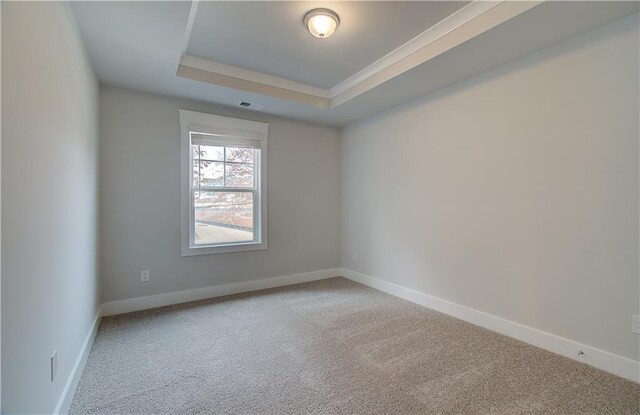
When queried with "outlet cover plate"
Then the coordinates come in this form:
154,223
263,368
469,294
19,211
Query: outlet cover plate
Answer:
636,324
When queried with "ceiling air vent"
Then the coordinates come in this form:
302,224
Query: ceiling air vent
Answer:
250,105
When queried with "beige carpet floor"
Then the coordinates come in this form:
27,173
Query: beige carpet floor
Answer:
329,347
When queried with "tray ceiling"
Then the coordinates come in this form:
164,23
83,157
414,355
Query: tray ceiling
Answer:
269,37
219,52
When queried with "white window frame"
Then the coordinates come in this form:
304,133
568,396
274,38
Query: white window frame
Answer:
232,129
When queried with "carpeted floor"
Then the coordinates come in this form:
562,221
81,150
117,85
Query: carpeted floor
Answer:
329,347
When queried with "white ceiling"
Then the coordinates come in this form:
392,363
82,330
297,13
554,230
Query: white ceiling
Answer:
269,36
139,45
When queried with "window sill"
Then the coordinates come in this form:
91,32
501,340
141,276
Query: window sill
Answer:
222,249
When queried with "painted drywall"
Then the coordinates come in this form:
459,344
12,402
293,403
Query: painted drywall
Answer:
140,193
50,289
514,192
0,216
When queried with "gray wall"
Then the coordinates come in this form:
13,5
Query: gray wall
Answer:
140,191
514,192
50,283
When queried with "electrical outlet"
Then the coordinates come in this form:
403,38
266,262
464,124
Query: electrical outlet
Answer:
54,365
636,324
144,275
354,255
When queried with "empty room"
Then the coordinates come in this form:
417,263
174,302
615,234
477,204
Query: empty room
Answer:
349,207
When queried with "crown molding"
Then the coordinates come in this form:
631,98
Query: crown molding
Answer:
187,34
253,76
251,81
468,22
448,24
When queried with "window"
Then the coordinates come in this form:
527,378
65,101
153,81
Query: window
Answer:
223,184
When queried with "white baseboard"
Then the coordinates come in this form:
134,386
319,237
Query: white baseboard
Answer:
74,377
609,362
617,365
177,297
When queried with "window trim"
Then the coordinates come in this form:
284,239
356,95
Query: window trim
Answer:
233,128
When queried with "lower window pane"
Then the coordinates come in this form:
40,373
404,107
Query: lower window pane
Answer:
223,217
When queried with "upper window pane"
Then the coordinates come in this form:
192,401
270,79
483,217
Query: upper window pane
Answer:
208,173
239,175
219,166
240,155
215,153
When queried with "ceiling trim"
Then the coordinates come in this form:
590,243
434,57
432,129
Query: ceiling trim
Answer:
464,24
243,79
450,35
253,76
447,25
187,34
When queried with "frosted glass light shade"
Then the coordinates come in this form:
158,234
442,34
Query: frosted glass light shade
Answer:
321,22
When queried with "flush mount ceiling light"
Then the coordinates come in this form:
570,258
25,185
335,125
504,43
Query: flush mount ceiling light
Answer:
321,22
